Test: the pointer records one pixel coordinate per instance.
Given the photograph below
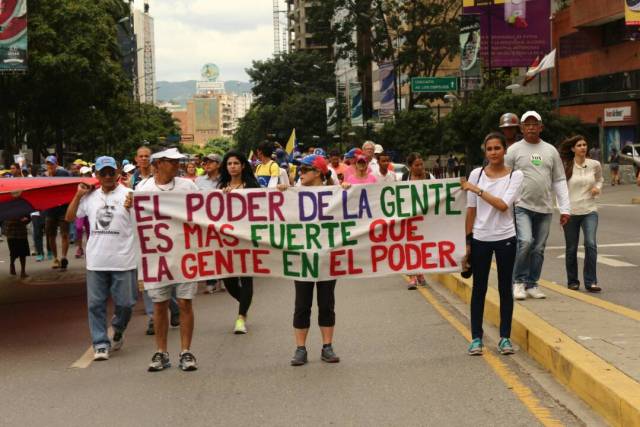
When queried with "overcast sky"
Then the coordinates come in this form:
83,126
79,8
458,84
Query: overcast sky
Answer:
190,33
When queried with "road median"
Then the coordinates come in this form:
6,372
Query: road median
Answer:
608,390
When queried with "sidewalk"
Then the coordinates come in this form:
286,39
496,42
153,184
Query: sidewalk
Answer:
59,284
591,346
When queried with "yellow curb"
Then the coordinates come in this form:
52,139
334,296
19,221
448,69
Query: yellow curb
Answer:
603,304
635,201
608,391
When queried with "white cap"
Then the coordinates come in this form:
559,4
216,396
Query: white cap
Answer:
128,168
533,114
85,169
170,153
378,149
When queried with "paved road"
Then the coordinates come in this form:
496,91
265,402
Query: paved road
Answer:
619,245
402,364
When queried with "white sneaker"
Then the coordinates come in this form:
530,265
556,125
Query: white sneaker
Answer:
209,289
536,293
117,341
101,353
518,291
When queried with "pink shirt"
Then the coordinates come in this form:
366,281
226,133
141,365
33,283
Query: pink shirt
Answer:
353,179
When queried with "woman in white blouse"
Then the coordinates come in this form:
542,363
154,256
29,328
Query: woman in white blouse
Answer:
584,177
491,193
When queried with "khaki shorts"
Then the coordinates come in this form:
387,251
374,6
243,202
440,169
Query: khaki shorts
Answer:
52,224
183,291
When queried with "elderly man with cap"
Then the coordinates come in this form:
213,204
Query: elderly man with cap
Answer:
111,255
510,126
55,219
207,182
167,164
543,176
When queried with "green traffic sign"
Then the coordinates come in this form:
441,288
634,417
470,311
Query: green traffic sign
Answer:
434,84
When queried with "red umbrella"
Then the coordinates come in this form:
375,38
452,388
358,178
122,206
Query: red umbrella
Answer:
21,196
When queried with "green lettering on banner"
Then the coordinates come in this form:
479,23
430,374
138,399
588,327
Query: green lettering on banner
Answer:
291,236
424,203
310,266
309,263
346,233
436,208
313,231
254,235
383,206
400,201
286,264
331,229
450,199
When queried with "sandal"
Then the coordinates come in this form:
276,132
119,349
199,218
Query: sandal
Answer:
593,288
574,286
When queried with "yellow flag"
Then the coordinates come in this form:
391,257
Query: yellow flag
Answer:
292,142
250,155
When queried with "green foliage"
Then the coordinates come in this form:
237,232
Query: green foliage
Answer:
291,91
414,130
75,96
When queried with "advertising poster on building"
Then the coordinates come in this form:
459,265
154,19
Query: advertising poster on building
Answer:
302,233
355,97
387,90
206,114
632,12
517,30
470,72
332,115
13,35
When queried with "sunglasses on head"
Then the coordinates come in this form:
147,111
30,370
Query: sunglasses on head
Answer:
107,172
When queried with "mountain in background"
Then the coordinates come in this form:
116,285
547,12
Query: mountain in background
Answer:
181,92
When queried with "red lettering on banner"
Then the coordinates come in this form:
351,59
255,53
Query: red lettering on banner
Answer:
243,259
257,261
203,264
350,263
426,265
446,248
378,253
396,231
399,250
232,240
254,206
276,200
189,230
169,243
189,272
335,263
237,216
144,239
145,272
194,202
411,256
156,209
139,209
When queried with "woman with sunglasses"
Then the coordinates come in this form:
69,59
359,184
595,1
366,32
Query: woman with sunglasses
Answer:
490,227
314,172
236,174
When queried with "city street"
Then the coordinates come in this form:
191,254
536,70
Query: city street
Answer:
402,363
618,248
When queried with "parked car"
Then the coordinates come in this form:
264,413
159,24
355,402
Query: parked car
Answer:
630,155
399,169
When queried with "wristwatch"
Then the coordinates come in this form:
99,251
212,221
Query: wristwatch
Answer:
480,192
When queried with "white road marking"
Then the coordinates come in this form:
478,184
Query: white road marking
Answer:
608,245
606,260
617,205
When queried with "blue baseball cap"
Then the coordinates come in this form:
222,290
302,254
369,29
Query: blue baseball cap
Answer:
353,153
51,159
320,152
105,162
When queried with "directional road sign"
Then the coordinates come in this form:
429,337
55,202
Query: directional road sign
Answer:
434,84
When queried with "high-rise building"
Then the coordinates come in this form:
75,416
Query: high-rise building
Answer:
300,31
598,71
146,57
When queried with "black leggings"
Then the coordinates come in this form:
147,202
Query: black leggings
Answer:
304,300
481,254
241,288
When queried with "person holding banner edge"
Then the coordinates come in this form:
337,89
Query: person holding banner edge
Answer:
490,228
167,164
314,171
236,174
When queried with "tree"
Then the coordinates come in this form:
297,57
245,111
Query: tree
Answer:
412,131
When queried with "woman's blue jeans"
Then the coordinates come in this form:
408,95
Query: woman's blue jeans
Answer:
589,225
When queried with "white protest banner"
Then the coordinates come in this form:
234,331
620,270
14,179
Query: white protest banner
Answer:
302,233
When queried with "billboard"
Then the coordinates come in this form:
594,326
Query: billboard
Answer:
13,35
517,30
632,12
206,114
332,115
470,72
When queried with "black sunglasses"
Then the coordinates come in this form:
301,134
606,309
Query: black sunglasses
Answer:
107,172
305,169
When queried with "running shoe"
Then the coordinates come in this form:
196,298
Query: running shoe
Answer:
39,258
56,263
150,328
328,355
413,283
79,253
159,361
505,347
475,348
63,264
49,255
117,341
421,280
535,293
240,327
175,320
101,354
188,361
209,289
299,357
518,291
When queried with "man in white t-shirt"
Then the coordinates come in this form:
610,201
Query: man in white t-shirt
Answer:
111,255
167,165
381,171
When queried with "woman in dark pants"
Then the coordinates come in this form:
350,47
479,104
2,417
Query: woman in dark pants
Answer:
490,228
314,171
236,174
